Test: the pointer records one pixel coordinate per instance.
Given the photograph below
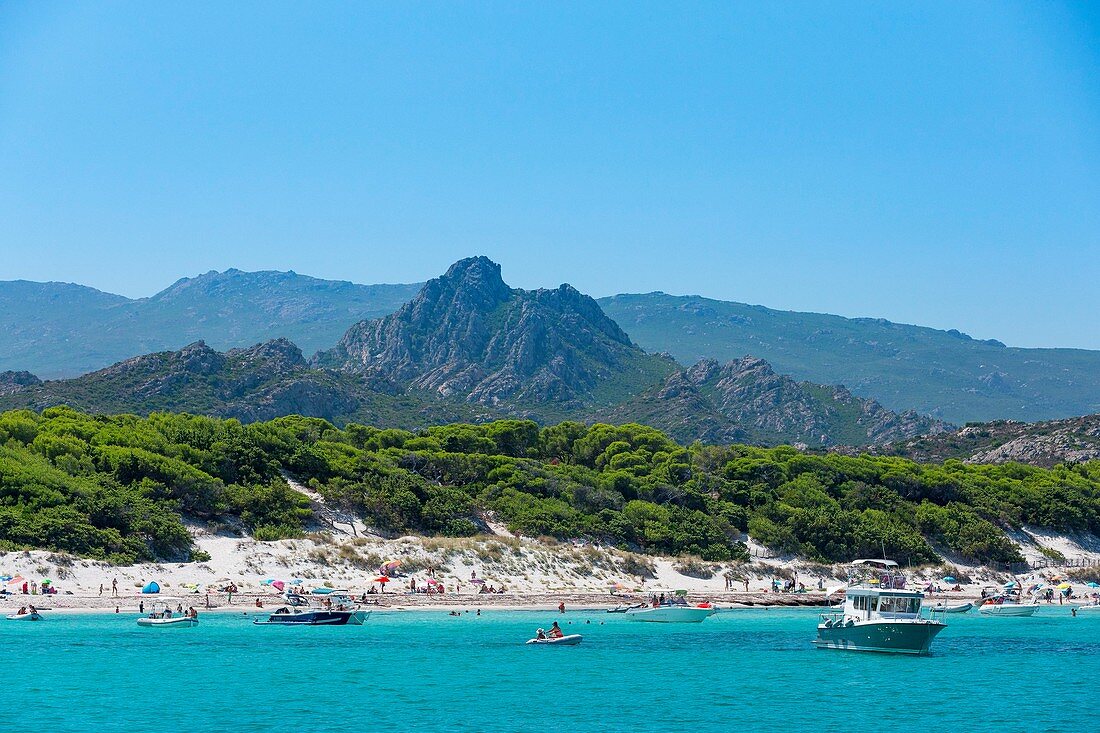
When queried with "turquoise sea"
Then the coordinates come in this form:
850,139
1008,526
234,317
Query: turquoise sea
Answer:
744,670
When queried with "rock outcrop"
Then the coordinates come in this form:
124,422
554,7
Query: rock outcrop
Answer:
11,382
469,336
745,400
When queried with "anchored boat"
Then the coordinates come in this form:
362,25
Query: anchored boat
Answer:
314,617
879,614
673,609
1007,604
161,617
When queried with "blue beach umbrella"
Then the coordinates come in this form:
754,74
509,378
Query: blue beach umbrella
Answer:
950,579
1090,584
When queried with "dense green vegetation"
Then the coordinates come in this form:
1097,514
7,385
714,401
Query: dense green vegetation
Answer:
121,487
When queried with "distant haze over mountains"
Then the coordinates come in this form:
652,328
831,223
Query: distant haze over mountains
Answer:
62,330
553,352
470,347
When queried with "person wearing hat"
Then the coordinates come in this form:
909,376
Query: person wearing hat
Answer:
540,634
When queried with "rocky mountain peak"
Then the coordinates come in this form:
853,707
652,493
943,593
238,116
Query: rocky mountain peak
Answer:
468,335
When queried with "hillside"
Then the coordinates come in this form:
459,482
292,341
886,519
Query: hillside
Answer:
59,330
945,374
122,488
1047,443
261,382
746,401
468,347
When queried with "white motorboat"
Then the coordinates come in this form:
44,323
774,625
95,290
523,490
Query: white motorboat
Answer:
1007,604
880,614
673,609
176,622
569,640
162,617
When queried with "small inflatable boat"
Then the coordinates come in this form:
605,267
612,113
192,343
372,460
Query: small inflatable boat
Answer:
25,617
570,640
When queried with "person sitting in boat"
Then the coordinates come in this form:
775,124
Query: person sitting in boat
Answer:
555,631
22,611
540,634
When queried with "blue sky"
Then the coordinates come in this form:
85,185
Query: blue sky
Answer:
932,163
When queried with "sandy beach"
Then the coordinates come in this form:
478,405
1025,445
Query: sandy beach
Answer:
533,575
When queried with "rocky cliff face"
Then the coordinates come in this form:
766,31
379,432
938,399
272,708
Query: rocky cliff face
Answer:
745,400
467,335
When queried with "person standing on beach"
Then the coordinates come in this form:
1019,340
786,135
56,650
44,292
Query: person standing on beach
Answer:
114,587
101,589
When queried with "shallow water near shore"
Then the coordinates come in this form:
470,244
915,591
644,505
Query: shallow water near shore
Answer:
426,671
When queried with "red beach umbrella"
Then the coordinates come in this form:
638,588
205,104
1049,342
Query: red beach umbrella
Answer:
381,579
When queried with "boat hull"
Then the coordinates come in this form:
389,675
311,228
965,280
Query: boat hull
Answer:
890,637
1009,609
962,608
24,617
312,618
671,614
570,640
167,623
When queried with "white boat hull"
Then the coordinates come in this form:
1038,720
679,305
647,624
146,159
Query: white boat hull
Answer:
961,608
24,617
671,614
168,623
570,640
1009,609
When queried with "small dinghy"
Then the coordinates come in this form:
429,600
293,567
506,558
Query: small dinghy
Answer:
944,608
33,616
570,640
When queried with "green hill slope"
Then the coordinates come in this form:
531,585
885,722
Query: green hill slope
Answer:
945,374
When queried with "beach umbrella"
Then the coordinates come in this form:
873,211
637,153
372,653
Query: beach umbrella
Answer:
1056,578
5,578
278,584
267,581
389,566
1093,584
478,581
1010,584
1064,586
950,579
433,581
381,579
15,580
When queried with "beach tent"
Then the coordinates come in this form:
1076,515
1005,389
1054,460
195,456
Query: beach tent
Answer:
151,587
